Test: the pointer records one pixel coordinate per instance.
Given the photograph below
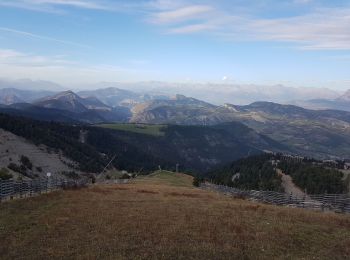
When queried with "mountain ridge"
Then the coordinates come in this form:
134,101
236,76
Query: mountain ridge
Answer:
314,133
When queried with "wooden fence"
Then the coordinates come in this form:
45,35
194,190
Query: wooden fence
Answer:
325,202
10,189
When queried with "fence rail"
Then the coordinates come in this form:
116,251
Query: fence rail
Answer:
17,189
331,202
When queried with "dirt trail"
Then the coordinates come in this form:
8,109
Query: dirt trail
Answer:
289,186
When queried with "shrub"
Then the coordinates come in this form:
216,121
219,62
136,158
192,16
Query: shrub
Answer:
4,174
71,175
26,162
14,167
197,181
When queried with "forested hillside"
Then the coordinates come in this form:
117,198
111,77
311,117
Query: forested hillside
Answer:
252,173
194,148
92,155
314,179
260,173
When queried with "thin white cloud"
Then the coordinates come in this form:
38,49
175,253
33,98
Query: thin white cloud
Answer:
16,58
74,3
41,37
165,4
16,65
321,29
193,28
181,14
48,5
325,29
9,54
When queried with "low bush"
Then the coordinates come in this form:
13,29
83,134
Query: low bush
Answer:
197,181
4,174
26,162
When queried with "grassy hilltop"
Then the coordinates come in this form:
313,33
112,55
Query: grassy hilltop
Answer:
162,216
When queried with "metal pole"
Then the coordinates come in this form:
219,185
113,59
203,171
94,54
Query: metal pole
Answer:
109,163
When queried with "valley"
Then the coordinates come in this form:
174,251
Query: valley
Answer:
147,132
170,130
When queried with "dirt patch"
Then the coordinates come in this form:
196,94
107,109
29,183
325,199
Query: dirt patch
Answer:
147,191
188,195
120,188
100,190
253,207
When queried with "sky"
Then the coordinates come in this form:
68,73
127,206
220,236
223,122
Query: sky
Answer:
303,43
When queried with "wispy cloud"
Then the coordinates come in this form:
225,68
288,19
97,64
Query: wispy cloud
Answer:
193,28
320,29
48,5
8,54
41,37
16,65
181,14
16,58
316,28
75,3
324,29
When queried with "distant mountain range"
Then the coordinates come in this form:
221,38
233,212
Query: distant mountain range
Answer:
314,133
9,96
215,93
340,103
28,84
63,106
220,93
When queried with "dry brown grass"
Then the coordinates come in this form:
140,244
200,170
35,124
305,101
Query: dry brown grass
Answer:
156,219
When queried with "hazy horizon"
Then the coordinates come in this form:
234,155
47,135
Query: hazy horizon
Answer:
215,93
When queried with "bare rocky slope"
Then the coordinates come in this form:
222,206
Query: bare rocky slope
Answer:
43,159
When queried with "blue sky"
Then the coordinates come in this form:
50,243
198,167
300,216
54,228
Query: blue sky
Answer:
290,42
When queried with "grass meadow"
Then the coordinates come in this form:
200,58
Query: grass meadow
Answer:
163,217
155,130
